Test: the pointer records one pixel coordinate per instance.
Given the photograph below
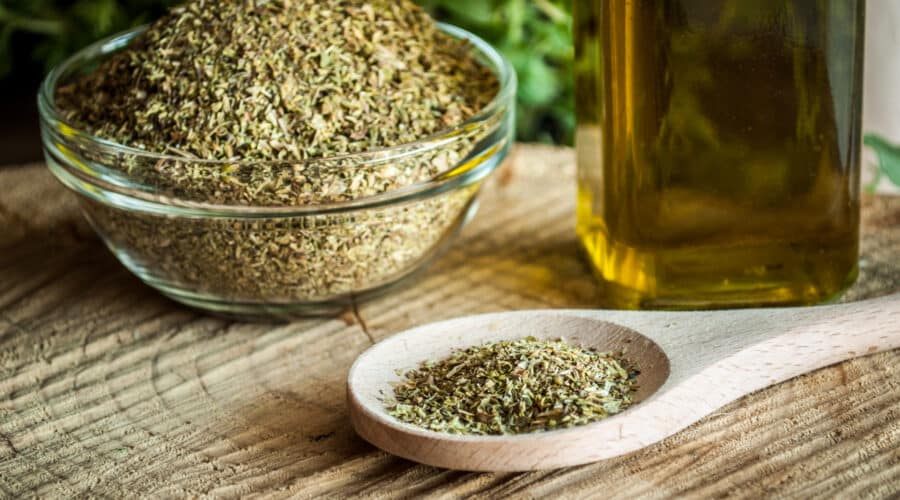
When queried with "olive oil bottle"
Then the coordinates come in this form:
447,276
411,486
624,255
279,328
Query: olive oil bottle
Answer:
718,149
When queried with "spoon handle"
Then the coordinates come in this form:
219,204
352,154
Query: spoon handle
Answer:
743,351
809,339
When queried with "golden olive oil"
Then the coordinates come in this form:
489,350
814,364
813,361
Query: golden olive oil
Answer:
718,149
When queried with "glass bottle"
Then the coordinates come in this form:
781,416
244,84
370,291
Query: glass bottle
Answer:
718,149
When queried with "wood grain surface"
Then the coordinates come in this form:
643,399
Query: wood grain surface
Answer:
108,389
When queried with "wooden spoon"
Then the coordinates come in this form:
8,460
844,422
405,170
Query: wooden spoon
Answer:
691,363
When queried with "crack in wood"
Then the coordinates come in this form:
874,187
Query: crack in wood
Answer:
362,323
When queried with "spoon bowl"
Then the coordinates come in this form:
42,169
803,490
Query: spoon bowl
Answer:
691,363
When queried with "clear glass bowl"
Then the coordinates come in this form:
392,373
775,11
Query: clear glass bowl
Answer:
326,249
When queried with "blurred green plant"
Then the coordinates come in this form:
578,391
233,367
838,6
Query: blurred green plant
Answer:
49,30
534,34
888,161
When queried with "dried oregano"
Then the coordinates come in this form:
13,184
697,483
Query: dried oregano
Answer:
278,92
282,80
513,387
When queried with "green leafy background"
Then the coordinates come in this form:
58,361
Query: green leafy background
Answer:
888,161
534,34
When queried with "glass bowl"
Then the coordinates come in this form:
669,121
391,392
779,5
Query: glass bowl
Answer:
329,247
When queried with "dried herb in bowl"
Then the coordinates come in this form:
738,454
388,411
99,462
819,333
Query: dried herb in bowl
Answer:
285,81
290,260
288,80
514,387
285,104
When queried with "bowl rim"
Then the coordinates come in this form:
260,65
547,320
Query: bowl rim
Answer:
104,177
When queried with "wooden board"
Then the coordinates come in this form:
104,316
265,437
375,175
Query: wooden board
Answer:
108,389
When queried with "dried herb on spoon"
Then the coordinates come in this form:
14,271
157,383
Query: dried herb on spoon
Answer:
514,387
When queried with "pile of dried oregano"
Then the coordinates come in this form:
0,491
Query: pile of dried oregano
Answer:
514,387
277,93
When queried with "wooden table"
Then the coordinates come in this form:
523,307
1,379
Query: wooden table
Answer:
109,389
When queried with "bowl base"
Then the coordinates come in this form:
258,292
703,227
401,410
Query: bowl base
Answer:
272,312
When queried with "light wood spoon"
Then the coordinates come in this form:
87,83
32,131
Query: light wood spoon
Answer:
691,364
